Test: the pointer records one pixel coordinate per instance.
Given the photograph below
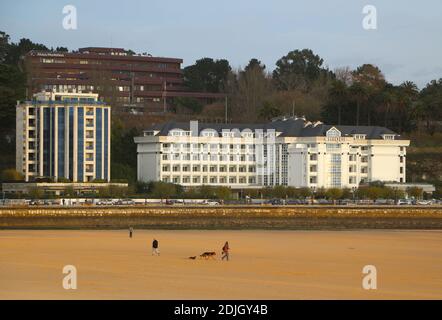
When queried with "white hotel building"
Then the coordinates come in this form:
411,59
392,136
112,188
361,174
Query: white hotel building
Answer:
63,135
286,151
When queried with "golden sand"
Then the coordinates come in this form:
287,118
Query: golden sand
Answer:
263,265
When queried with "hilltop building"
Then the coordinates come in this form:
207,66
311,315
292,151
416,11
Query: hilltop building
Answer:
120,77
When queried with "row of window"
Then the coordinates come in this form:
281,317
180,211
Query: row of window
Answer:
207,157
209,179
206,168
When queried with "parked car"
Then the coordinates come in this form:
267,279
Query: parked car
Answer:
425,202
381,202
211,203
404,202
105,203
125,202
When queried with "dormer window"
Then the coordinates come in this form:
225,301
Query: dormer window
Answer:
388,136
359,136
179,133
333,134
209,133
150,133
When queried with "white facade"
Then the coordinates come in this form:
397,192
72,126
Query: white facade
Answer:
63,135
269,156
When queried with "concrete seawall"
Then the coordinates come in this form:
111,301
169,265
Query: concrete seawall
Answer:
222,217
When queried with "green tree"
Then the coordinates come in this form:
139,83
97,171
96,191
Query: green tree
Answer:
207,75
189,103
11,175
298,70
359,95
415,192
268,111
334,194
163,190
35,193
223,193
431,104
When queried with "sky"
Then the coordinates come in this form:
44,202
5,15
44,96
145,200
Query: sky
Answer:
406,44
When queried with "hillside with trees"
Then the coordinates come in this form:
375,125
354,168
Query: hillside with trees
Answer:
300,84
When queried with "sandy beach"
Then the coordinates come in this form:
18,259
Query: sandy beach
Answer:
263,265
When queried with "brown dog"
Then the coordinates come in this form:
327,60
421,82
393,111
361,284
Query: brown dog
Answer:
207,255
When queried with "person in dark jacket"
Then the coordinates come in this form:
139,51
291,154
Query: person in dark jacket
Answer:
155,247
226,251
131,231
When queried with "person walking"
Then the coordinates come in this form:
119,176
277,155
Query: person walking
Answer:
155,247
226,251
131,231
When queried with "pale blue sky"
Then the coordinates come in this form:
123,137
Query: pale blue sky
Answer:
406,46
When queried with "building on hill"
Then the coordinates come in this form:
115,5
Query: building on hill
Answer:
63,136
127,81
287,151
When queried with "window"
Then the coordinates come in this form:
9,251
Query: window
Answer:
313,179
388,136
313,168
333,133
330,147
313,157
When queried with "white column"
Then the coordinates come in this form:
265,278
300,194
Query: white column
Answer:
102,144
75,142
55,143
108,144
66,142
41,139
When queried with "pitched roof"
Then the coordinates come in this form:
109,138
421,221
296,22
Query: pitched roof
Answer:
289,127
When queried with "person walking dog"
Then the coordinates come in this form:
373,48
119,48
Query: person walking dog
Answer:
226,249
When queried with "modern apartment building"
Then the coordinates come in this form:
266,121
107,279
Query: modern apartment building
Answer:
286,151
63,135
117,75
